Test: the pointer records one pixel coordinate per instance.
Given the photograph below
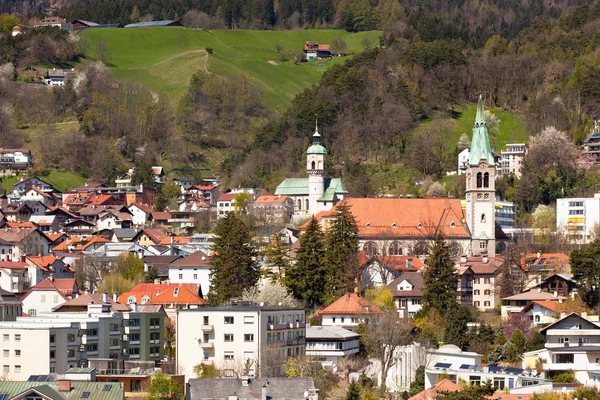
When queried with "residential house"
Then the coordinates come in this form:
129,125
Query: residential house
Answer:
159,218
80,304
15,159
148,237
539,266
140,214
457,365
316,193
16,212
56,22
49,267
14,276
110,251
55,238
79,227
225,204
330,343
516,303
313,50
209,192
591,144
560,284
45,223
10,306
273,209
158,174
24,241
380,270
349,311
120,235
571,345
58,77
62,215
81,244
445,386
239,337
252,389
194,268
542,312
47,294
407,290
184,183
161,263
47,197
60,390
486,279
31,181
193,202
511,159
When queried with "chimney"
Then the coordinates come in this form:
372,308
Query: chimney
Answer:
484,259
584,314
104,298
463,258
115,297
555,293
245,380
133,307
539,254
264,392
563,314
64,385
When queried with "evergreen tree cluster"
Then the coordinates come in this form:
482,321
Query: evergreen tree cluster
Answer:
326,263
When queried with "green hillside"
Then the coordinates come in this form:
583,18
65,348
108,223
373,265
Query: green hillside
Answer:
165,57
60,180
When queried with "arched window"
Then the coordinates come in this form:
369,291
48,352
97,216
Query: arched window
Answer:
131,300
537,318
483,218
299,204
476,292
145,299
320,166
479,179
312,165
487,292
395,249
371,248
420,249
455,249
486,179
306,204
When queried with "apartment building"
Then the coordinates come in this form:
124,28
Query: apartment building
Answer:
511,159
479,283
55,342
572,344
407,290
241,338
577,218
330,343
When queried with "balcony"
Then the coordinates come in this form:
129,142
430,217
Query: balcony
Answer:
297,325
206,328
562,366
154,341
207,345
117,332
134,356
295,342
272,326
129,329
116,347
134,342
154,327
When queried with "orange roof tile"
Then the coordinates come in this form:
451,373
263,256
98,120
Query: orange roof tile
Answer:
271,199
351,304
16,225
175,240
184,296
85,299
79,243
552,305
43,262
444,385
161,287
544,259
156,235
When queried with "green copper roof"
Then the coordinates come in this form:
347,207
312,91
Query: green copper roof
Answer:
299,187
316,149
114,390
480,144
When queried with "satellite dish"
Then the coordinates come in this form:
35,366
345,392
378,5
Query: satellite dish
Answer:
262,303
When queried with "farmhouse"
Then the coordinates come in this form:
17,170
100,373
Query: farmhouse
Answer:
314,50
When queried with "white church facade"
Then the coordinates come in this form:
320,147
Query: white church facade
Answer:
316,193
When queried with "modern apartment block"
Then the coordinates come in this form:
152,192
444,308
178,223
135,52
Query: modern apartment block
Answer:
511,159
578,217
55,342
241,338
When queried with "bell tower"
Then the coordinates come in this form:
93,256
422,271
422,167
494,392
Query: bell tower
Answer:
315,166
480,190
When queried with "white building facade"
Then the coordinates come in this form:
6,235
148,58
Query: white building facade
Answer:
577,218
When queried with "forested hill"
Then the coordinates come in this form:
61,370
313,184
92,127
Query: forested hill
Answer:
471,21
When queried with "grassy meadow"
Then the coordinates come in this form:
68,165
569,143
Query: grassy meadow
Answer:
164,58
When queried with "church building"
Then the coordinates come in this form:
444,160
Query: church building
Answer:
405,227
316,193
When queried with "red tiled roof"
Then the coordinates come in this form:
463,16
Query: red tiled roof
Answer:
43,262
13,265
227,196
161,215
156,235
545,259
64,287
79,243
52,236
175,240
184,296
16,225
444,385
161,287
271,199
144,208
351,304
85,299
200,187
552,305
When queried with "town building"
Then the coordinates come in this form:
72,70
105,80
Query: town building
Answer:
171,297
349,311
330,343
316,193
540,266
571,345
15,159
516,303
10,306
577,218
511,159
47,294
58,77
591,144
480,280
194,268
54,342
56,22
560,284
240,338
380,270
407,290
62,389
457,365
542,312
273,209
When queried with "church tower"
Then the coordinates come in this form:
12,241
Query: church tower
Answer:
481,191
315,166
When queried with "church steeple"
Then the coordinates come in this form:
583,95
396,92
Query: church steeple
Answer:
480,144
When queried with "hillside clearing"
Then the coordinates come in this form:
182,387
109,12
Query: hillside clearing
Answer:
164,58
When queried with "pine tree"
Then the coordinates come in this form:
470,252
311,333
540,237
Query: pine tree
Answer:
307,276
277,262
233,266
135,15
353,392
441,280
341,254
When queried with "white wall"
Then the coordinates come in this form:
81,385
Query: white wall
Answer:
35,353
41,301
197,275
139,216
590,213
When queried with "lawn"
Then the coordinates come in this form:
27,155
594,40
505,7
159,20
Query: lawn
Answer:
164,58
60,180
511,127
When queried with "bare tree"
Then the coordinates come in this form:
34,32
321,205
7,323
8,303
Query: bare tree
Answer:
383,337
103,52
273,362
89,272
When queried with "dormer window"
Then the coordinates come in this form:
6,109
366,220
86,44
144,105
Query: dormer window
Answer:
420,225
452,224
394,225
368,225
